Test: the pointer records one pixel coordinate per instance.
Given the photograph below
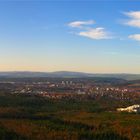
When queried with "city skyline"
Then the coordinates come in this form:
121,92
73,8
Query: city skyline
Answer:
85,36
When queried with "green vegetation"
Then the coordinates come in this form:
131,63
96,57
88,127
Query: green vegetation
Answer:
35,118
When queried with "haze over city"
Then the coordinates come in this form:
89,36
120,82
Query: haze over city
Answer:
86,36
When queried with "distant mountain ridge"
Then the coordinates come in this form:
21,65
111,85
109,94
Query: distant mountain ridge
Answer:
66,74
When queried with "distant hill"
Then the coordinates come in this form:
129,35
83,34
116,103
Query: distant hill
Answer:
66,74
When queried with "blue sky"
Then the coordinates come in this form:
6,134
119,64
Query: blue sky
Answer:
89,36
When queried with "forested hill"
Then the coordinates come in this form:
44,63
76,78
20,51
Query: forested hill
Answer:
67,74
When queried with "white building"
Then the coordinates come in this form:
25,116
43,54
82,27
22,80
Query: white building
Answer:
133,108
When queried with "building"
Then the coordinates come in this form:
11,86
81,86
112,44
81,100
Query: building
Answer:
130,109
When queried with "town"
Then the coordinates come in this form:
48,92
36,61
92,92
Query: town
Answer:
80,88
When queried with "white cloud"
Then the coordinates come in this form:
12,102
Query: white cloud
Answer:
95,33
134,18
87,31
135,37
133,14
79,24
134,23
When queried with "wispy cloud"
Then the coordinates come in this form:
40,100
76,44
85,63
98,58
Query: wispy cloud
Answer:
134,18
89,32
134,21
133,14
135,37
79,24
95,33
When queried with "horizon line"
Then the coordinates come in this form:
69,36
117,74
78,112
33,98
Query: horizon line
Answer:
69,71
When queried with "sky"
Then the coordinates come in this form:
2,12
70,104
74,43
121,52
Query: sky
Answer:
87,36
